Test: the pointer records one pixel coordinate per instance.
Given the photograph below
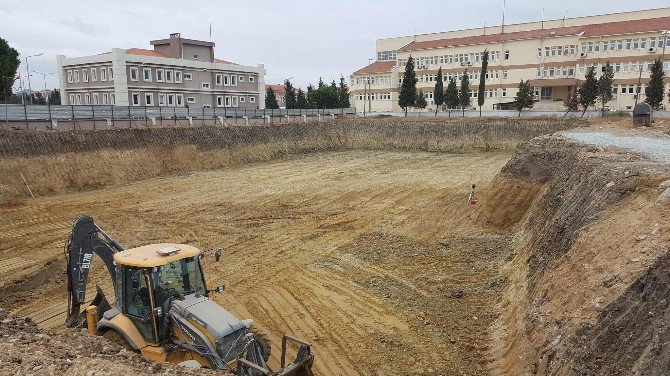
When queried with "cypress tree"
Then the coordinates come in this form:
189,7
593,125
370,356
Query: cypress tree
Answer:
289,96
271,99
588,92
343,94
451,95
54,97
605,83
482,81
464,95
9,63
572,101
407,97
420,100
310,96
655,91
321,84
301,100
438,93
524,97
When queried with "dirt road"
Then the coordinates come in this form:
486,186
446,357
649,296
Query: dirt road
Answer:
372,256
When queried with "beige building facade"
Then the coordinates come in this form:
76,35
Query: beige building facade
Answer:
553,55
178,72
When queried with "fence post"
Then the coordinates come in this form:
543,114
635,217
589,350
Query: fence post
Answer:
160,114
174,110
74,118
203,115
93,114
50,119
130,117
146,117
25,113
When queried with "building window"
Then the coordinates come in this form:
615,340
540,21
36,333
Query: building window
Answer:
110,73
242,99
234,101
72,99
134,75
505,74
219,79
190,99
252,99
233,80
252,78
241,78
78,96
170,100
180,99
136,99
76,76
149,99
112,99
206,85
177,77
226,102
188,76
69,77
160,75
219,101
546,93
95,99
105,98
84,75
161,99
507,55
169,76
146,74
103,74
226,80
195,57
94,74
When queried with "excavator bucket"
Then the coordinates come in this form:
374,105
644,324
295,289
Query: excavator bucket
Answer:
301,365
100,301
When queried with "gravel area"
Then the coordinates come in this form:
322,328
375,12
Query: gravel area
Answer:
655,148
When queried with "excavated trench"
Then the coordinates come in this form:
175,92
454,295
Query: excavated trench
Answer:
358,237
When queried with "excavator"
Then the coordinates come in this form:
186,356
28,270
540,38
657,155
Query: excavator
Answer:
162,308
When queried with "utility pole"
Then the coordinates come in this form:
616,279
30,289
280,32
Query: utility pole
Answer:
370,91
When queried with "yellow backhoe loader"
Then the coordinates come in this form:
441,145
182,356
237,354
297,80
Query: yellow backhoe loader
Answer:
162,309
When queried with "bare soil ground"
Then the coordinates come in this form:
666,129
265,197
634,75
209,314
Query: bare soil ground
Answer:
375,257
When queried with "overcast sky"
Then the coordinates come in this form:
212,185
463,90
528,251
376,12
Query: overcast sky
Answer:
300,39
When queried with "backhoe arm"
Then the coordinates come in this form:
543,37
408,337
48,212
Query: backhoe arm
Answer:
86,238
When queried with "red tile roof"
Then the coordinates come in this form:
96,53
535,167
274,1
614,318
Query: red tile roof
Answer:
143,52
275,88
596,30
377,67
223,61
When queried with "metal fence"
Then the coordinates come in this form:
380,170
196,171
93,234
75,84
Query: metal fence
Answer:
19,113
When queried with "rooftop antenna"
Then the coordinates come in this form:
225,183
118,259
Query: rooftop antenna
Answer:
542,18
564,16
210,30
503,20
484,27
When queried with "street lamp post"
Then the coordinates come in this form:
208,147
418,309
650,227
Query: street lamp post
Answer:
370,91
28,71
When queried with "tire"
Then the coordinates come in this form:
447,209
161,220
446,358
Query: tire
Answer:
116,337
262,343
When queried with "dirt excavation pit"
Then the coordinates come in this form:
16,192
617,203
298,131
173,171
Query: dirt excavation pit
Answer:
371,256
380,261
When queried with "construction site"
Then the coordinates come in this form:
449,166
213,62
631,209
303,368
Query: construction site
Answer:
393,247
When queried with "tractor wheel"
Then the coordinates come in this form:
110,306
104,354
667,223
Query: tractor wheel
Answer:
116,337
263,342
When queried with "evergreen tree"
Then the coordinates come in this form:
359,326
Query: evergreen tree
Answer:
289,96
343,93
588,92
310,96
438,93
572,101
321,84
407,96
301,100
605,83
420,101
464,95
333,85
451,95
37,99
325,97
54,98
655,91
9,63
270,99
482,81
524,97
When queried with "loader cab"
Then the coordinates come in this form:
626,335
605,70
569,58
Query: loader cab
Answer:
149,278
